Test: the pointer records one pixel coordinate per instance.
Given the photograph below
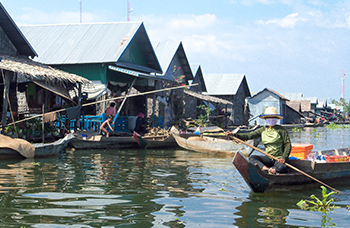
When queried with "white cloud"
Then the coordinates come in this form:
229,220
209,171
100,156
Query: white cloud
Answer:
192,21
287,22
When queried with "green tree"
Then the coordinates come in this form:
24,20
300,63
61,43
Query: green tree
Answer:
342,102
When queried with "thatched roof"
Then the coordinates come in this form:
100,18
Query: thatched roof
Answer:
207,97
305,106
294,105
38,72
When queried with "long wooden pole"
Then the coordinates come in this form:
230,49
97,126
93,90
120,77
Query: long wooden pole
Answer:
126,96
287,164
110,99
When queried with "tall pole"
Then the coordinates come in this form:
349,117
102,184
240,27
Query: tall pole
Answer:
129,10
81,11
342,85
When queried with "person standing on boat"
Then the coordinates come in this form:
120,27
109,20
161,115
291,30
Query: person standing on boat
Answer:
111,110
275,139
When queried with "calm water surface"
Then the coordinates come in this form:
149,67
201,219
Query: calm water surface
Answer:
155,188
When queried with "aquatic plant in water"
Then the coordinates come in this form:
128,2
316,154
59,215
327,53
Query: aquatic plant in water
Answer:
297,129
317,204
315,134
332,126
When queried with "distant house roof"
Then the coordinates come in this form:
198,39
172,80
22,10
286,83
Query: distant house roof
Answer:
313,100
198,76
125,43
208,98
14,34
272,91
166,52
225,84
293,96
300,96
295,104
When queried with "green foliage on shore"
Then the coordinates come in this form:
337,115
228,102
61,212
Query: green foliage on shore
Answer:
342,102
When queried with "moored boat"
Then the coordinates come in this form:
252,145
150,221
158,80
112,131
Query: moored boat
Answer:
95,141
208,144
261,181
40,149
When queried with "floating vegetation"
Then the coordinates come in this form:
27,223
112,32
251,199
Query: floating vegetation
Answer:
332,126
344,126
317,204
297,129
315,134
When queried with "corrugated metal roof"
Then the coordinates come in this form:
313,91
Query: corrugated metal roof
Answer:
88,43
166,52
15,35
300,96
198,76
293,96
80,43
272,91
313,100
223,84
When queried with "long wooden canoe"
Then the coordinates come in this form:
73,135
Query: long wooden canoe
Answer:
121,142
260,181
41,149
208,144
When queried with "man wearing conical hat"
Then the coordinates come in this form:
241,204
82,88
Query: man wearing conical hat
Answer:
275,139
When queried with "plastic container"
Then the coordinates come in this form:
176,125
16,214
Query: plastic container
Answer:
337,158
301,151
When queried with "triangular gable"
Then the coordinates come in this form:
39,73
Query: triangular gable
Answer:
94,43
198,77
271,91
139,54
173,60
14,34
225,84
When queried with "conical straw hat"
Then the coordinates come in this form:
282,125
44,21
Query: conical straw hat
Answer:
271,112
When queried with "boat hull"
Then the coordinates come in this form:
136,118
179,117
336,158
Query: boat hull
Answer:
205,144
121,142
41,149
260,181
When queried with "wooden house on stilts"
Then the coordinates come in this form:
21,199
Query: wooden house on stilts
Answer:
176,71
26,86
116,55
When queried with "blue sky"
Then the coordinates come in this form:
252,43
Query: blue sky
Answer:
286,45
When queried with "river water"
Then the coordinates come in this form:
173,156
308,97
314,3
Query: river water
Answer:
156,188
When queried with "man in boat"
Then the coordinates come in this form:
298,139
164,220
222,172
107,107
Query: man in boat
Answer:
141,124
275,139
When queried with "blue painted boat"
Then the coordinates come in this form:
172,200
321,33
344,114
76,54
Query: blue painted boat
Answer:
331,173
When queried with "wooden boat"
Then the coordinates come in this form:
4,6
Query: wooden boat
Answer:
82,141
209,144
328,172
41,149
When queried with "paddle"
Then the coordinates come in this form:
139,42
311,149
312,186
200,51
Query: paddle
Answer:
142,143
287,164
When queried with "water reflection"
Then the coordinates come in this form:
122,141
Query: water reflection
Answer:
322,138
153,188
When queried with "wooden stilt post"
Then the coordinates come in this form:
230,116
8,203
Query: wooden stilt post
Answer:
154,119
7,79
42,124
